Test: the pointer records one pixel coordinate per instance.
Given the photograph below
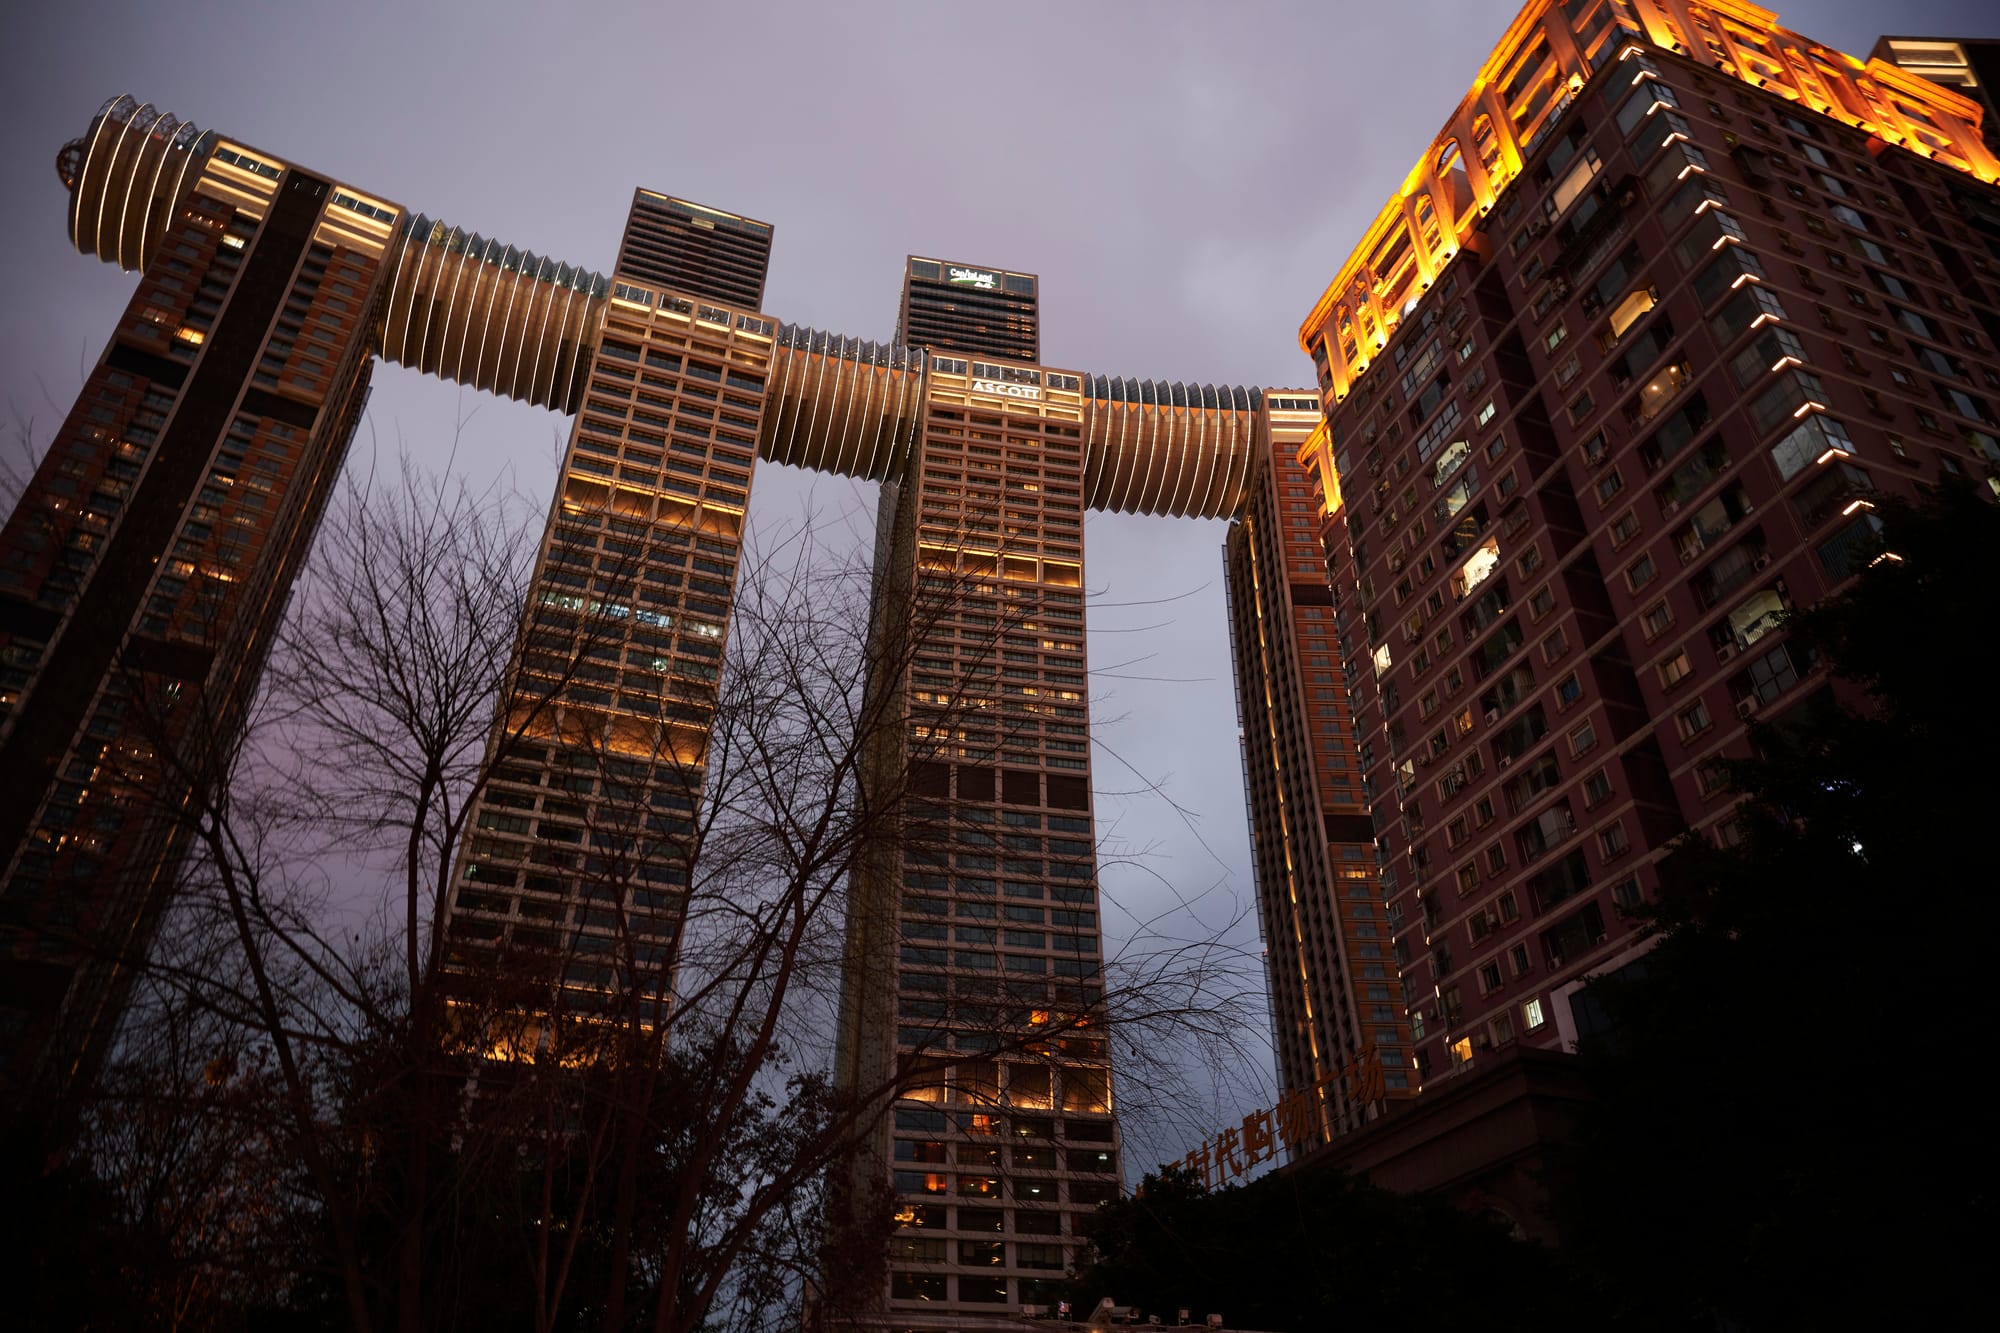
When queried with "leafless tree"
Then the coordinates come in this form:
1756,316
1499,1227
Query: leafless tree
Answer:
417,1126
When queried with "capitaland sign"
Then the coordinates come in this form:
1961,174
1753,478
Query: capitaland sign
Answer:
974,277
1006,390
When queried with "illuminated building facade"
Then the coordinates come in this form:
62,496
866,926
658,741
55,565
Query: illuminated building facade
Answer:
982,925
1338,1023
149,562
1968,65
969,308
1611,385
578,859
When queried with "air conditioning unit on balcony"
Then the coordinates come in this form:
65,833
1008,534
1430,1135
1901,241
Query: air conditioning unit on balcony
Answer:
1745,707
1761,561
1492,716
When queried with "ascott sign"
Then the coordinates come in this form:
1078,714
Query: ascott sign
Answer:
1006,390
972,277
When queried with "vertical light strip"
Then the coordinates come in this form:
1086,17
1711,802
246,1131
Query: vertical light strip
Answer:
506,322
153,199
83,173
104,193
468,374
131,188
780,387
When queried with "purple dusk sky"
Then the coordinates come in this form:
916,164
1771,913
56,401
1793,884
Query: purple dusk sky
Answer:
1184,178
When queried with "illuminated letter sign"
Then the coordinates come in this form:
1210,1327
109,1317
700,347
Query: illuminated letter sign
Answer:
972,277
1006,390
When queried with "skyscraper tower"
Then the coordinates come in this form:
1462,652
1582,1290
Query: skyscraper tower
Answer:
970,309
146,565
150,560
1338,1024
980,933
1612,385
580,852
1967,65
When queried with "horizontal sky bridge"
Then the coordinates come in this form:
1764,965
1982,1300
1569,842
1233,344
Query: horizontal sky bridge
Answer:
475,311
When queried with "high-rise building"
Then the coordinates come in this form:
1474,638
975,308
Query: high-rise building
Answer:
966,308
695,250
578,854
145,567
1611,385
149,562
1338,1025
1969,65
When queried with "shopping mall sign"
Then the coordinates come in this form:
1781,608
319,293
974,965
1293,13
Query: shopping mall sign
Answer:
1295,1123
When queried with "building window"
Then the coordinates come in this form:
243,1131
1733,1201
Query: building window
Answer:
1640,573
1624,528
1531,1015
1658,619
984,1289
1518,958
1609,485
1693,720
1554,646
1543,601
1596,787
1496,858
916,1287
1612,842
1676,669
1569,691
1584,739
1489,978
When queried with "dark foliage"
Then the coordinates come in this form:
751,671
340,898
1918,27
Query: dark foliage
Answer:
1315,1249
1789,1131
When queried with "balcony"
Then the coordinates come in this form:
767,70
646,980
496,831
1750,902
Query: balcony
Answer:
1712,521
1551,828
1731,570
1664,386
1757,615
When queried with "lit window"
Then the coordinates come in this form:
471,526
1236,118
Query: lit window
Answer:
1531,1014
1627,312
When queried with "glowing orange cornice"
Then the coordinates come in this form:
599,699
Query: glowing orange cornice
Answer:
1520,89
